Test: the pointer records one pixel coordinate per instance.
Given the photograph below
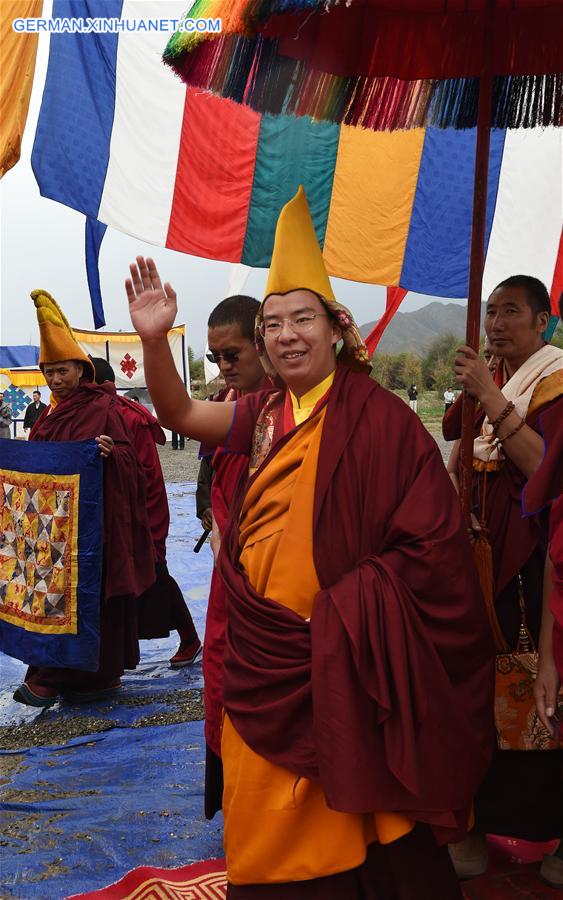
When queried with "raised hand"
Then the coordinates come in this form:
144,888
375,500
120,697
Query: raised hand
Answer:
152,306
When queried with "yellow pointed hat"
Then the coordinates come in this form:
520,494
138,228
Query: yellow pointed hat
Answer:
56,337
297,261
297,264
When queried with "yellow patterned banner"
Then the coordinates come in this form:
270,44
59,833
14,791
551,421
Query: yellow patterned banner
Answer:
51,503
39,551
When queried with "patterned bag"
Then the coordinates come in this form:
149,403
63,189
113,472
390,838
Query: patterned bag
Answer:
516,718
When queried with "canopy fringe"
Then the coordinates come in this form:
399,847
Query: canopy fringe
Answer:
250,70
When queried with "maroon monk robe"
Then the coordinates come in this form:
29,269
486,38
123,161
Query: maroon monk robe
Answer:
228,470
145,433
522,793
162,608
386,697
129,568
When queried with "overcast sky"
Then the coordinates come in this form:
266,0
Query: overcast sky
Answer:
42,246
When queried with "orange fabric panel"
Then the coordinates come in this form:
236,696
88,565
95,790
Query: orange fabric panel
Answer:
214,177
16,77
372,198
276,523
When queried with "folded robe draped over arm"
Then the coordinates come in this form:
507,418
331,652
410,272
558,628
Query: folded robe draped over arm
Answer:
387,695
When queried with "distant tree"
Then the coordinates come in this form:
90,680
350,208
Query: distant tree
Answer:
443,377
411,371
382,365
438,364
557,339
197,371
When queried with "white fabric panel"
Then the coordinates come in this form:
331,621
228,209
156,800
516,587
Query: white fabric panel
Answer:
211,370
178,354
529,209
126,359
238,276
145,139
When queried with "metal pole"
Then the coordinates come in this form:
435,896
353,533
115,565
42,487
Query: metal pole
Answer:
477,258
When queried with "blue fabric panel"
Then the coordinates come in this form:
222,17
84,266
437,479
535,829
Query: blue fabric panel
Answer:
291,151
109,802
438,245
153,675
78,651
95,232
72,142
18,355
127,797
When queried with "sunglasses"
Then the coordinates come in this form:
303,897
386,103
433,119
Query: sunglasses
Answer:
230,356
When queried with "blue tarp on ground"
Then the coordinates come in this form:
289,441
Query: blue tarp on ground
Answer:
11,357
132,796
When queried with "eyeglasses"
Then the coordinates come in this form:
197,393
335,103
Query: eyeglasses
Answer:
230,356
301,325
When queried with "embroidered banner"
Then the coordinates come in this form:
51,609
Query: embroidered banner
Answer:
51,497
124,352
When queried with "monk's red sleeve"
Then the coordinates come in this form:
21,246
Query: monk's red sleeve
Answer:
247,410
547,483
402,721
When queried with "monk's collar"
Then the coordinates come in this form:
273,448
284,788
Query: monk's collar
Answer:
309,400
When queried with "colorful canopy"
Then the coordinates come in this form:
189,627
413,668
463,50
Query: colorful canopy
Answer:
209,177
379,64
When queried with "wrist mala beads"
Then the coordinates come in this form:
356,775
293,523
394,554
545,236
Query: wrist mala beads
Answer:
504,414
520,425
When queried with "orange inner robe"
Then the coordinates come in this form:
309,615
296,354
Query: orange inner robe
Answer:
278,826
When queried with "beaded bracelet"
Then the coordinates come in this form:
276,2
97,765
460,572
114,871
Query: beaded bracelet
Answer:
512,433
504,414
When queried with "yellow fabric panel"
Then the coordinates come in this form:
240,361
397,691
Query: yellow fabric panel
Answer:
17,66
117,337
24,377
278,826
372,198
546,390
302,408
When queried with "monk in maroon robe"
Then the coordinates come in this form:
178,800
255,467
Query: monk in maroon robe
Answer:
377,704
162,608
520,408
230,339
88,411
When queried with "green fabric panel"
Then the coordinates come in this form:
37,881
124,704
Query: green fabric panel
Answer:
291,151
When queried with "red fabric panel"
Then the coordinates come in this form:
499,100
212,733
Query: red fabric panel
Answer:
557,283
395,296
421,40
214,177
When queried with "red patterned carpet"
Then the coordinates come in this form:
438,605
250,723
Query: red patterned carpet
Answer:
200,881
513,875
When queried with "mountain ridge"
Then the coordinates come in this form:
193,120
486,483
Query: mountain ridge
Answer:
415,332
